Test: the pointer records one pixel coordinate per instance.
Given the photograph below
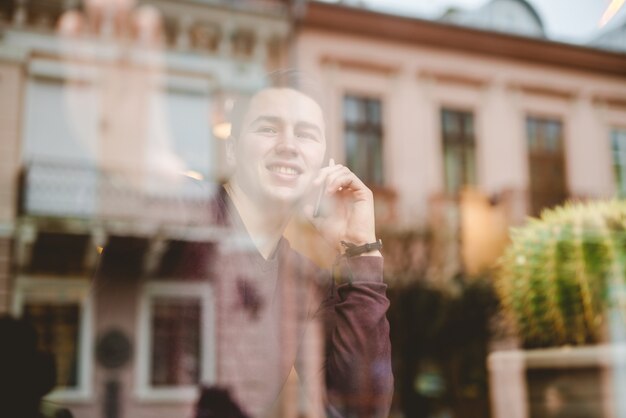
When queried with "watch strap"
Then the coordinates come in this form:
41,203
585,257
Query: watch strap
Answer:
352,250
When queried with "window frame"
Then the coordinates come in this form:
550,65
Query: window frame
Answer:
546,118
367,128
75,289
614,132
459,142
151,290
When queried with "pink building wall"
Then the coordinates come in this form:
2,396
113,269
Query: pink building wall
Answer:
415,81
11,85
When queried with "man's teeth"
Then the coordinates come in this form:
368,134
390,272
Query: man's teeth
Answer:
283,170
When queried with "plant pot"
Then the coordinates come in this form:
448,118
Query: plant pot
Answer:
585,381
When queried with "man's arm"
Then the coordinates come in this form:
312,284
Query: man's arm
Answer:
359,378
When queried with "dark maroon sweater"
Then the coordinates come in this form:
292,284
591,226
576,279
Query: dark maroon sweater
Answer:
268,312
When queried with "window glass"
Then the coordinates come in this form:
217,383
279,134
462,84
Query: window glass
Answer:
363,133
57,326
50,135
175,341
60,310
459,149
546,163
618,145
191,136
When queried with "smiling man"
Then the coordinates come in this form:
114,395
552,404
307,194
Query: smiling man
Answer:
277,152
271,300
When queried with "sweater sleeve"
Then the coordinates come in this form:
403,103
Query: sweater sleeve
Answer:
359,379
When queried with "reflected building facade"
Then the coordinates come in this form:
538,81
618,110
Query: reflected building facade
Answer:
478,124
110,156
457,128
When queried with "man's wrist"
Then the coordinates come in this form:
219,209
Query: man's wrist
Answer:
371,248
375,253
362,269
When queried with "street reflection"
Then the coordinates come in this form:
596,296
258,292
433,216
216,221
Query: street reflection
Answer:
269,208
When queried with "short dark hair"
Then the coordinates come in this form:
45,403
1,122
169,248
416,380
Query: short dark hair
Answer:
286,78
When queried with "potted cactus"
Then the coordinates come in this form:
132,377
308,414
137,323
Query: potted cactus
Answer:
559,282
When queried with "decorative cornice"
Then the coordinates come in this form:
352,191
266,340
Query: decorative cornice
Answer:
385,27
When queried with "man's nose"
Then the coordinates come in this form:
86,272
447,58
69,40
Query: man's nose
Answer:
287,143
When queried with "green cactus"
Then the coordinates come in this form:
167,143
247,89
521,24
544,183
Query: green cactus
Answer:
555,275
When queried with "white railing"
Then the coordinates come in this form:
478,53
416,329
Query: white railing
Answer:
69,190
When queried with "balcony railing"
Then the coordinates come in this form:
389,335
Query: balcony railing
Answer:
63,190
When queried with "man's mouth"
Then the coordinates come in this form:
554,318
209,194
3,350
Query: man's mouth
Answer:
283,169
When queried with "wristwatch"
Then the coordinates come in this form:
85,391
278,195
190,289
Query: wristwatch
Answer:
352,250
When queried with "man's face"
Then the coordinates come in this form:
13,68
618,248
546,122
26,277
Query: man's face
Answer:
281,146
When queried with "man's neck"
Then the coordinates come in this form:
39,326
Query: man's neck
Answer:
264,225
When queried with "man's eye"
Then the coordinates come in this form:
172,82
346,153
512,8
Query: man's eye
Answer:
267,130
306,135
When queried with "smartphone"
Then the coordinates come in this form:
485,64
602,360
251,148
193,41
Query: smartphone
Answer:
319,201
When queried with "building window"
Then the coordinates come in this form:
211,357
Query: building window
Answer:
176,347
175,341
618,145
546,163
61,312
459,149
363,133
57,330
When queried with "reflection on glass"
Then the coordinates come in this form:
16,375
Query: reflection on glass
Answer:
363,133
618,147
57,326
175,342
546,162
458,149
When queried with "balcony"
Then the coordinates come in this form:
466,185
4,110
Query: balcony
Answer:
197,28
82,191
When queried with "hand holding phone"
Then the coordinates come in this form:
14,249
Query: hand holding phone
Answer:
343,209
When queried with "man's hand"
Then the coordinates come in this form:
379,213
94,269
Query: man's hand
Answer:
350,215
